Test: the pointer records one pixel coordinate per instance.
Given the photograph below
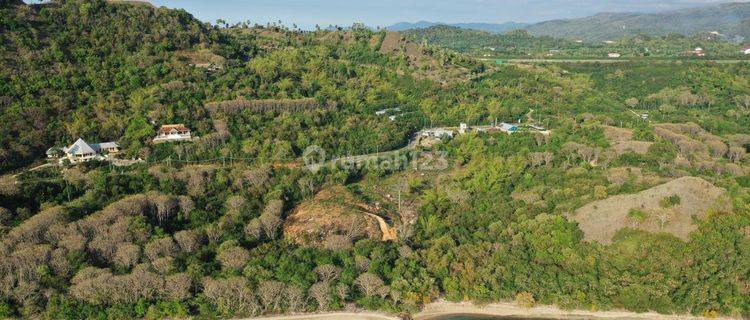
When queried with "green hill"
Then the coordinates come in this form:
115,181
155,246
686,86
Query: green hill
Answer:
731,19
105,70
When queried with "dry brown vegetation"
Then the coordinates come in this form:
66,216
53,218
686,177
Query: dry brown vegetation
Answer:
111,236
620,175
200,57
429,63
700,149
600,220
621,140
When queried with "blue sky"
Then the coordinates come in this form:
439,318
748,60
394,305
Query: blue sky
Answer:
307,13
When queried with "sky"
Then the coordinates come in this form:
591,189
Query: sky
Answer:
308,13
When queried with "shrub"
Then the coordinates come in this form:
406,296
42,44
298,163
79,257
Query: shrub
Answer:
525,300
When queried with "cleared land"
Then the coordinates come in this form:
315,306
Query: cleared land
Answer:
600,220
334,212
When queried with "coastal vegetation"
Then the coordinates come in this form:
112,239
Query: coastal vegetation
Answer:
234,224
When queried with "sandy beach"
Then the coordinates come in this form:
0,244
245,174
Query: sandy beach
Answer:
443,309
332,316
440,309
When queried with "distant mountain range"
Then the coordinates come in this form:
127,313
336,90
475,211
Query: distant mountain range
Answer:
732,20
490,27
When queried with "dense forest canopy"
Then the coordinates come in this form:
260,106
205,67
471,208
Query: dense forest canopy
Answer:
223,225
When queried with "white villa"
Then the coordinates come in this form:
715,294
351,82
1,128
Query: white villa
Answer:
82,151
173,132
437,133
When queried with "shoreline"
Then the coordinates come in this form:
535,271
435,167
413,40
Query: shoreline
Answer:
440,309
343,315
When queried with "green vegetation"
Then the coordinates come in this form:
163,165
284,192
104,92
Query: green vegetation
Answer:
521,44
670,201
200,229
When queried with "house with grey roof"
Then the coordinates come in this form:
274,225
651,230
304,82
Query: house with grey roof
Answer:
82,151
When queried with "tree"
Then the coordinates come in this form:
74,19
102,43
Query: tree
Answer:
186,206
166,205
231,296
254,230
178,287
188,240
327,272
127,254
271,224
736,154
271,293
370,284
320,291
233,258
294,297
162,247
163,265
664,215
342,291
5,216
718,148
235,203
137,132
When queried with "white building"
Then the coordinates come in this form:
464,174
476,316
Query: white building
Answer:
746,49
698,52
439,133
614,55
173,132
82,151
508,128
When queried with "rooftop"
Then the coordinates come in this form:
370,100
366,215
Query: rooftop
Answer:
80,147
169,127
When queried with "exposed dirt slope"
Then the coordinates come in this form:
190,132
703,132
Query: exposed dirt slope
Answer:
334,211
600,220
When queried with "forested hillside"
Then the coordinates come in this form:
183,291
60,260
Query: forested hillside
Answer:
730,19
106,71
235,223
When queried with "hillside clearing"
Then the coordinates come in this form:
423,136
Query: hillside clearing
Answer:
334,212
601,220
